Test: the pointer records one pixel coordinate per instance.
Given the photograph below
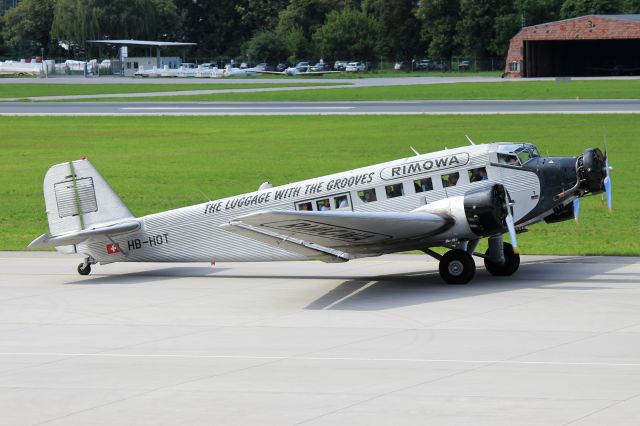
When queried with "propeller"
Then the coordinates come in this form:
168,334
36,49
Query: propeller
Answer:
607,171
512,229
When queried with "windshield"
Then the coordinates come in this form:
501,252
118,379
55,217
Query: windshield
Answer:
523,152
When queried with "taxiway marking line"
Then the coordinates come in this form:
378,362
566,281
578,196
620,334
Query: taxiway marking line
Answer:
230,108
307,358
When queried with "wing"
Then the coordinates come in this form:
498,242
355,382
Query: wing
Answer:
270,72
339,235
320,72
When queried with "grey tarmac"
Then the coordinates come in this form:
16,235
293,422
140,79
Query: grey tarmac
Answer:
604,106
375,341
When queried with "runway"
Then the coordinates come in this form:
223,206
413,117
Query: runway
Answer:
370,342
322,108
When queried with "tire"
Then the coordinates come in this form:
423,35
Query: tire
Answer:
511,265
457,267
82,270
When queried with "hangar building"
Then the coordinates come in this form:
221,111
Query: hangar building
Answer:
590,45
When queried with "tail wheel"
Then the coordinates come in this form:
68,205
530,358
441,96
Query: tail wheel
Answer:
84,270
457,267
510,265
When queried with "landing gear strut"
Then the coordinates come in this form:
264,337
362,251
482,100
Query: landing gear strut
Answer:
85,267
457,267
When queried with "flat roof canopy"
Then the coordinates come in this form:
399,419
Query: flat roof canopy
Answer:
142,43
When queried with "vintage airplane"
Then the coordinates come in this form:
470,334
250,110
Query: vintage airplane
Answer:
450,198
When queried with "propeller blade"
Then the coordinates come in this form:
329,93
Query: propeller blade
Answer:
576,208
512,231
607,190
607,179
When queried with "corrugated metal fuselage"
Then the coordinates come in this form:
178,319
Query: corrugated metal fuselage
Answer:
193,234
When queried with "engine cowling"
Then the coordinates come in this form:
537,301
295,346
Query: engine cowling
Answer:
486,210
479,213
593,170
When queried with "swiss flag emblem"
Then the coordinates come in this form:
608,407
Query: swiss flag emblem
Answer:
113,248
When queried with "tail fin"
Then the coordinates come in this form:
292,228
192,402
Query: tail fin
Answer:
78,199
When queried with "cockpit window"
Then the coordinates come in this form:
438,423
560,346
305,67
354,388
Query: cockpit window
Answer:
517,154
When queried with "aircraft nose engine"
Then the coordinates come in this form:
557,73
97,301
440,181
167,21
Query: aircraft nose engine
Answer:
486,210
593,170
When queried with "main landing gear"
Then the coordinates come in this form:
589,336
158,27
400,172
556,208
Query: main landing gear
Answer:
85,267
458,267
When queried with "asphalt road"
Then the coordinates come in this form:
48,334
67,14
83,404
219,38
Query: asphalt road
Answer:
333,108
378,341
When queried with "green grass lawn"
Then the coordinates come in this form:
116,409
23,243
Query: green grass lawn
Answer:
53,89
159,163
512,89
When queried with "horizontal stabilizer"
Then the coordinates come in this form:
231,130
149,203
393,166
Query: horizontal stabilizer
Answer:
76,237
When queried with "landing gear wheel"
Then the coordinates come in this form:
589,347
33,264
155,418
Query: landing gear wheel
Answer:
509,267
457,267
84,270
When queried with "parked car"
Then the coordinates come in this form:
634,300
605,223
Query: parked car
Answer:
320,66
303,64
356,67
464,65
398,65
261,66
340,65
423,64
282,66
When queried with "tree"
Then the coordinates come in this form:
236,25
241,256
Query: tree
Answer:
298,45
76,21
524,13
534,12
476,29
213,24
26,28
399,26
308,15
348,34
631,6
573,8
259,15
267,46
439,19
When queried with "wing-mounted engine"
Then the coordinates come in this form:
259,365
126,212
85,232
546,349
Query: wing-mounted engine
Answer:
478,213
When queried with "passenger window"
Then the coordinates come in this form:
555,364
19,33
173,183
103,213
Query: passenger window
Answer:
476,175
368,195
450,180
423,185
323,204
394,190
305,206
341,202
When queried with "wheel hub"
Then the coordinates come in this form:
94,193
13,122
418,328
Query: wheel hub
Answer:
455,268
